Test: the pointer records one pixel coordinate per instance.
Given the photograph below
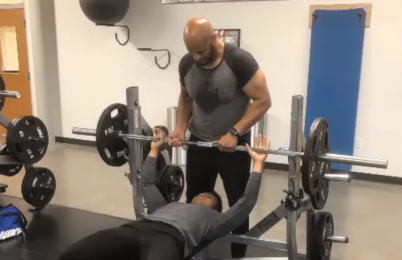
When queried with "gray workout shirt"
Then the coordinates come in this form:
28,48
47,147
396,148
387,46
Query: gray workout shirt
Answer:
218,99
195,222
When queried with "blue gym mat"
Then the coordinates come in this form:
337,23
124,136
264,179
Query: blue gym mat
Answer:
334,76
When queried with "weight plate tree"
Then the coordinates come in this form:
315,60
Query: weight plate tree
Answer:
309,164
26,143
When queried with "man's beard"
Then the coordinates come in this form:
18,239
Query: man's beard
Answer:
210,60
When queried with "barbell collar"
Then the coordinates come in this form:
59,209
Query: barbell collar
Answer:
334,158
338,239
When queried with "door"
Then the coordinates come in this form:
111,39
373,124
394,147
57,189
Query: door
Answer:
14,63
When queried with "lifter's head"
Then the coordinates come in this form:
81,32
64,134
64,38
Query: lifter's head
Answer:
209,199
201,40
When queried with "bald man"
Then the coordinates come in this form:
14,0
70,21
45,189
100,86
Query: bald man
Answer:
218,82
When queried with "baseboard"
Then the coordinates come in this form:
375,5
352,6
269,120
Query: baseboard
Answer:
268,165
355,175
66,140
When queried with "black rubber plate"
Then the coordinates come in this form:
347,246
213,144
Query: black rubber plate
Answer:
9,170
325,228
38,187
313,171
2,88
112,149
319,200
314,225
171,183
27,139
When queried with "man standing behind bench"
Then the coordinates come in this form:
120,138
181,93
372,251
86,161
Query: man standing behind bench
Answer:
218,81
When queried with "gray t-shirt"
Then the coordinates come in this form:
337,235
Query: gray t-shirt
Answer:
195,222
219,101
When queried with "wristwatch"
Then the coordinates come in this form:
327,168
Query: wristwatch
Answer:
233,131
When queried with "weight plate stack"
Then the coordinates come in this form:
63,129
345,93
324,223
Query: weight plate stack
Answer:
313,170
27,139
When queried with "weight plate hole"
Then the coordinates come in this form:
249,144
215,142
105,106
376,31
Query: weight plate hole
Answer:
316,182
107,152
29,121
18,148
114,113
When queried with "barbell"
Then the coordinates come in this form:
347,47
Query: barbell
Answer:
328,157
112,143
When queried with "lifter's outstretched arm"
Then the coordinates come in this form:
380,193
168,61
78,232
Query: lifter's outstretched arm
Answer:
239,212
152,197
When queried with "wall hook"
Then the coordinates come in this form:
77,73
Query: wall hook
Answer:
156,58
115,35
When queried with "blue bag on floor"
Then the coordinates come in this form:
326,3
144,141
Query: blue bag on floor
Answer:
12,222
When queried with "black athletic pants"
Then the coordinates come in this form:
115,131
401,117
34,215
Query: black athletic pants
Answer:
142,240
203,166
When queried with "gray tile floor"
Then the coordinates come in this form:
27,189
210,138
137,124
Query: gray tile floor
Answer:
359,208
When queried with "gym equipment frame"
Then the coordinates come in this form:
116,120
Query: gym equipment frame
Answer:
292,206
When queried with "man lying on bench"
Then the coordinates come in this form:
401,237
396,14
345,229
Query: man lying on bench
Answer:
170,231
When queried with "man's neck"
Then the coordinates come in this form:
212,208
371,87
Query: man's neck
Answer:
220,48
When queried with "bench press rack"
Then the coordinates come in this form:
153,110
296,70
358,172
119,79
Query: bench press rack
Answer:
252,237
137,126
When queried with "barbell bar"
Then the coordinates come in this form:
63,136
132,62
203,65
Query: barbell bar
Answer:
334,158
11,94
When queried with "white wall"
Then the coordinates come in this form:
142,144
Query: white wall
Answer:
11,1
43,64
95,70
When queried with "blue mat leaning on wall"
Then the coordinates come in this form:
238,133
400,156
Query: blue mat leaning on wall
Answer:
337,39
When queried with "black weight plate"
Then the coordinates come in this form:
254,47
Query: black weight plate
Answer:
319,200
2,88
9,170
314,225
325,229
27,139
38,187
313,171
171,183
166,131
25,186
112,149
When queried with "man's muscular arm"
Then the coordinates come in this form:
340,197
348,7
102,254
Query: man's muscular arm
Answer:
257,90
185,109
